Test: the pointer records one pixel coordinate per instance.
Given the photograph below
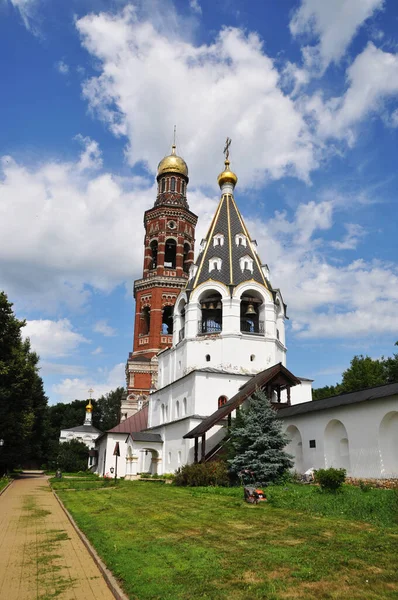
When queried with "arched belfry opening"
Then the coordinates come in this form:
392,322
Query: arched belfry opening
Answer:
167,320
186,261
251,313
211,313
154,254
145,320
170,255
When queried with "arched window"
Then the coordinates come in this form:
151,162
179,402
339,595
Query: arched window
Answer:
183,187
163,414
167,320
177,410
163,185
145,320
215,263
222,400
211,307
166,412
240,239
170,253
246,263
173,184
184,407
208,357
252,357
218,240
186,262
154,254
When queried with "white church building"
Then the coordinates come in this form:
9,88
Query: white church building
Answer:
229,340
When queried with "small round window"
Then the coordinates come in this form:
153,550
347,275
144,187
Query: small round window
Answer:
171,225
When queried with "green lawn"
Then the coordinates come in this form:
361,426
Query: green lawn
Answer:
3,482
169,543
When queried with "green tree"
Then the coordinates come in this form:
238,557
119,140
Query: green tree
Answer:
22,399
257,442
363,372
106,413
72,456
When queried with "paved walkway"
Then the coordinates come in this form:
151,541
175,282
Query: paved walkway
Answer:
41,556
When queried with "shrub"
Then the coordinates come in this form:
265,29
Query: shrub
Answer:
203,474
331,479
365,487
145,475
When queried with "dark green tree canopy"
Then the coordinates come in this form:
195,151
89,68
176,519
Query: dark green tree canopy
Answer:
257,442
363,372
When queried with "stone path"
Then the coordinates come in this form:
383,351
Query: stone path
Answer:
41,555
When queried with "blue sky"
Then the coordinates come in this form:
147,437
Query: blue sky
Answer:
91,90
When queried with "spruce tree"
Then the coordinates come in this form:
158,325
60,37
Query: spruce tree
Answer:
257,442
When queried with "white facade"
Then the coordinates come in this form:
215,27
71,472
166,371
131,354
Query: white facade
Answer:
360,437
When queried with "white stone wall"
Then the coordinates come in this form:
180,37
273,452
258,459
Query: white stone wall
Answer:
106,460
87,438
361,437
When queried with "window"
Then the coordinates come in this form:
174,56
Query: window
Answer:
186,262
215,264
177,410
277,334
211,309
163,185
252,357
246,263
179,457
169,458
208,357
162,414
173,184
218,240
145,320
312,443
182,187
240,240
184,407
222,400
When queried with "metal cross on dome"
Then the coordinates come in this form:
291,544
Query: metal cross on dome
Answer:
91,392
226,149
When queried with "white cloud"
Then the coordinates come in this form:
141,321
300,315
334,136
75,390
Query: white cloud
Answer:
103,327
27,10
53,338
91,157
139,90
353,236
98,350
326,298
62,67
195,6
52,368
77,388
333,25
372,78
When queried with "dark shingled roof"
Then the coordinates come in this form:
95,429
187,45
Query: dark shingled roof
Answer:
227,221
83,428
381,391
277,372
138,436
136,422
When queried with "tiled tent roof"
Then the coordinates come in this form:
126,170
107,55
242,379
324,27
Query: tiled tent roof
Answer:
381,391
228,222
258,381
136,422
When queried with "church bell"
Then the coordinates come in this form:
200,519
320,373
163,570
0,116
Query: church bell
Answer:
218,305
250,310
211,306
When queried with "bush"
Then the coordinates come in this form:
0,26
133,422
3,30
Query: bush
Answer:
73,456
331,479
203,474
365,487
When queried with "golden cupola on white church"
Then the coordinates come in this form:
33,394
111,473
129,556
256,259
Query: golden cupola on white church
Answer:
228,299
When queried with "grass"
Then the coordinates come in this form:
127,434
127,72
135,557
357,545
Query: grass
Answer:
169,543
4,481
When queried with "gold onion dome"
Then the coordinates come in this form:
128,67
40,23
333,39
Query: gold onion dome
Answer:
89,407
173,164
227,176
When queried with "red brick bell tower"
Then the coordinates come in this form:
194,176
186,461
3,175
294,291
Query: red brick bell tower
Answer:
169,252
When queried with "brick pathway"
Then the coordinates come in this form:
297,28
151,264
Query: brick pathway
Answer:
41,556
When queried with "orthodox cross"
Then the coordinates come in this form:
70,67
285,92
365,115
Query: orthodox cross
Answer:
175,128
226,149
90,391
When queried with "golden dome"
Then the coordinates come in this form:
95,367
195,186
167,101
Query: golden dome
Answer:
89,407
227,176
173,164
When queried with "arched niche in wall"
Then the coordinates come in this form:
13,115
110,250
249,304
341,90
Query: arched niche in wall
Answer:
145,320
337,449
167,320
295,448
388,444
186,262
154,254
